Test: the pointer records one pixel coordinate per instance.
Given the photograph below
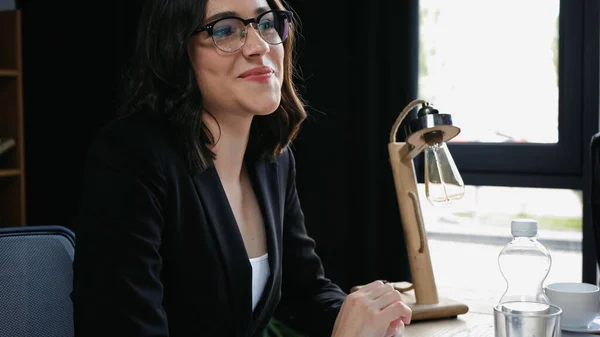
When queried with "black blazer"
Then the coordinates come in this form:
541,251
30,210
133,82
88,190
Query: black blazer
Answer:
159,252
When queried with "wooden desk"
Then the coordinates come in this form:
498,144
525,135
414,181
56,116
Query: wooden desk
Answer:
478,322
467,325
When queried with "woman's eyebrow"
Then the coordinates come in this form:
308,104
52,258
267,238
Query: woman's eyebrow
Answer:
220,15
224,14
261,10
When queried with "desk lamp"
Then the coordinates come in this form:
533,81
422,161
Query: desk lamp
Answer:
427,133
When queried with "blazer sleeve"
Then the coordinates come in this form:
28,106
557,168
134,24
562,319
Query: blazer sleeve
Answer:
117,265
310,302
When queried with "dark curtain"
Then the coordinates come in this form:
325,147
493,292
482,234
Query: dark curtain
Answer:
359,64
68,92
72,54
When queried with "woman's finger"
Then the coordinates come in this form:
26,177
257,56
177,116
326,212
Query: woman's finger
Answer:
395,311
362,286
368,287
387,298
377,292
400,330
396,329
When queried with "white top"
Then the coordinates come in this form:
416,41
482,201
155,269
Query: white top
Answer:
524,227
260,275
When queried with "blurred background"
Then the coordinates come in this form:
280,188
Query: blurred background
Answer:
520,79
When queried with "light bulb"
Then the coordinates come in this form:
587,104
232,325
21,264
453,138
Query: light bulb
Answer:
443,183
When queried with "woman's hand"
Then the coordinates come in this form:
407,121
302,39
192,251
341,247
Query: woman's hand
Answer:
374,310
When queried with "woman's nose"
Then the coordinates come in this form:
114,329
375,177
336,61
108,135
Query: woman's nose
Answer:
255,44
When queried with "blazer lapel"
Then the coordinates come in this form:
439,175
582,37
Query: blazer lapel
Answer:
264,177
232,251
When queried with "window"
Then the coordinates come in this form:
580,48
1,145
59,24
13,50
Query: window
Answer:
511,73
480,223
496,67
504,72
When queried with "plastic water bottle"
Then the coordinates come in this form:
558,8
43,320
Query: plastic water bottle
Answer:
524,263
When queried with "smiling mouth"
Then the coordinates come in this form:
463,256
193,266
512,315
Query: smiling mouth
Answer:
266,77
259,71
262,75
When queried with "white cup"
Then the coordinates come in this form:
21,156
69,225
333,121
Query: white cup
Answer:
580,302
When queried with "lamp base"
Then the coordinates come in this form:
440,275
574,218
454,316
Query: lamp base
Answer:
445,308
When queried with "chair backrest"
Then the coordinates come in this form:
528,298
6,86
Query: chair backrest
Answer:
36,281
595,189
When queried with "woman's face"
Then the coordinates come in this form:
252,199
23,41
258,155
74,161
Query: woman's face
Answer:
225,78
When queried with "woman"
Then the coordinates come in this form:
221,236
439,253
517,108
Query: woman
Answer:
189,222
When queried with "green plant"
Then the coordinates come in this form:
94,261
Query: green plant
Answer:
276,328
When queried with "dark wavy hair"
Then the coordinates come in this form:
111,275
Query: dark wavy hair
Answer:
159,81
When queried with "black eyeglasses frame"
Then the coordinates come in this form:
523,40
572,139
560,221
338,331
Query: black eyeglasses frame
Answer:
209,26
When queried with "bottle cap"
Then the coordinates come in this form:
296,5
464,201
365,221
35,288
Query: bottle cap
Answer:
524,227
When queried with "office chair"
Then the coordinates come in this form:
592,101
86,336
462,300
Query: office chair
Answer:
595,192
35,281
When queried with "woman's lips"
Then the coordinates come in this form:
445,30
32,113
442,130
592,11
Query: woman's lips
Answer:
258,74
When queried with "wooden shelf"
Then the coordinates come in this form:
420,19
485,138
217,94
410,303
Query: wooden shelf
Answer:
9,72
10,173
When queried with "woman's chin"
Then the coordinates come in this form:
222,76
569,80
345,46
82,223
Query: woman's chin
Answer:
265,112
263,108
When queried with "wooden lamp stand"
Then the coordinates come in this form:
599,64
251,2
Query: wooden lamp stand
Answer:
422,296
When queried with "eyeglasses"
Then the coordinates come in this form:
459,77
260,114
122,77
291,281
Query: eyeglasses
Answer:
229,33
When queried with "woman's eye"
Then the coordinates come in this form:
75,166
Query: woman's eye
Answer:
222,31
266,24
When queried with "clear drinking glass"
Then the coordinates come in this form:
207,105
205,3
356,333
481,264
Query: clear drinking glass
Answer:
527,319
